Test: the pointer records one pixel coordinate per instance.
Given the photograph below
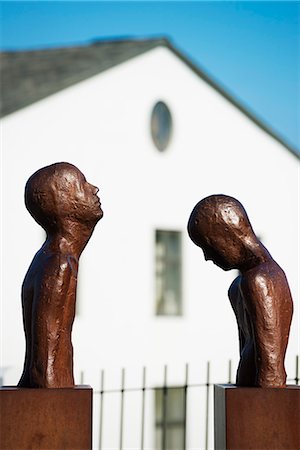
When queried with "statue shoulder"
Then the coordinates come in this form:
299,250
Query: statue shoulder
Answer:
265,286
263,277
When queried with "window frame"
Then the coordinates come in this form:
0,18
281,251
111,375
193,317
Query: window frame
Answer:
164,274
164,424
161,117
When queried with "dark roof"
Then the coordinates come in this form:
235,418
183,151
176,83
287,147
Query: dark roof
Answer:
29,76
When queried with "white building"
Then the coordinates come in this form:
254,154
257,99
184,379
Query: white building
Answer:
92,106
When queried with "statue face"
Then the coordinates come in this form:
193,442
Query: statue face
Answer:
87,203
59,193
220,226
223,257
217,241
75,197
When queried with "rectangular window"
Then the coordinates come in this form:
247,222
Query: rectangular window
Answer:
168,272
170,418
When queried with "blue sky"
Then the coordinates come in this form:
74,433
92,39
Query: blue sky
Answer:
251,48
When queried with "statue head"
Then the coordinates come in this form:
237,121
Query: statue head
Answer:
59,193
220,226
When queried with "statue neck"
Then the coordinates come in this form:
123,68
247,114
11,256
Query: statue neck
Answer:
71,238
256,254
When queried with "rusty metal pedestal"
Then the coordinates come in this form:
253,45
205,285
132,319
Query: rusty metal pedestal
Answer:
256,418
56,419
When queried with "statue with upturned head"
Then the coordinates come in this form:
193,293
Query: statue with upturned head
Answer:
61,200
260,295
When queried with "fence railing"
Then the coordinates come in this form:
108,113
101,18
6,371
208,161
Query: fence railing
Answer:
167,425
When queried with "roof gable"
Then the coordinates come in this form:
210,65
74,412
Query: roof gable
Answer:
29,76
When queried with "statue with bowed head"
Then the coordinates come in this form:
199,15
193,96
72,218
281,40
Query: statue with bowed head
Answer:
260,295
61,200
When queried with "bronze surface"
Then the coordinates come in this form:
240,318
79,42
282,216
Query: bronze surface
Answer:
260,295
61,200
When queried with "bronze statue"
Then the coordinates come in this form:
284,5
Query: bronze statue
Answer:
61,200
260,295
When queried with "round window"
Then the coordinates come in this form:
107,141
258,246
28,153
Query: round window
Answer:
161,125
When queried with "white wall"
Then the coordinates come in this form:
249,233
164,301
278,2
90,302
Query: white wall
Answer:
102,126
